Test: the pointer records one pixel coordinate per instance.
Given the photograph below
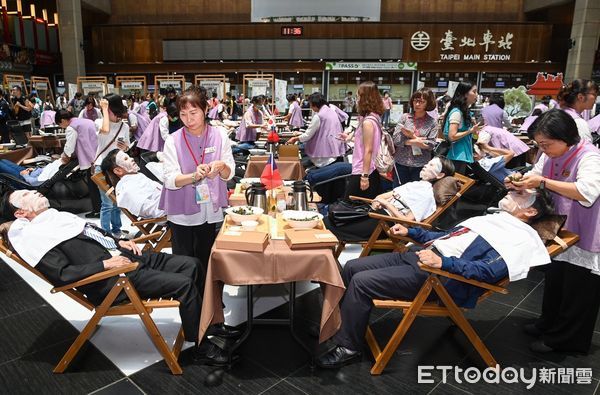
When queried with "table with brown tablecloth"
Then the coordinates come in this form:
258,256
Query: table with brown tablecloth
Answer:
276,265
18,155
289,169
43,143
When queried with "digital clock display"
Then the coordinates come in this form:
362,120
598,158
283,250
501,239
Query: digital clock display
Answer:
291,30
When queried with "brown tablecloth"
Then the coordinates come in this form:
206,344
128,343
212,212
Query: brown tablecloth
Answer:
290,169
19,155
43,143
277,264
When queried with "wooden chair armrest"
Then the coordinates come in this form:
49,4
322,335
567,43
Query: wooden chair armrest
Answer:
149,221
460,278
145,238
401,221
360,199
97,277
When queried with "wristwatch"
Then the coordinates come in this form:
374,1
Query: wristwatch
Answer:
364,175
543,184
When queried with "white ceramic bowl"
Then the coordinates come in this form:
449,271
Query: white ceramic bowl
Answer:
257,151
300,219
238,218
249,225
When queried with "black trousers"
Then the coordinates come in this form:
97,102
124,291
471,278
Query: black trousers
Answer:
570,307
353,186
93,191
460,166
164,276
196,241
385,276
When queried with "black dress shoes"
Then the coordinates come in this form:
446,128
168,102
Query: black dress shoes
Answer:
540,347
209,354
532,330
222,330
338,357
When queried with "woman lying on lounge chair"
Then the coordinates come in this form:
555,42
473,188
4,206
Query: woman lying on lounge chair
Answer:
413,201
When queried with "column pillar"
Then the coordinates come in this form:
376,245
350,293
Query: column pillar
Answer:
585,33
71,39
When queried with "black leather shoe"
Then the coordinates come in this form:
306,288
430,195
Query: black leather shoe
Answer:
540,347
210,354
93,214
532,330
338,357
222,330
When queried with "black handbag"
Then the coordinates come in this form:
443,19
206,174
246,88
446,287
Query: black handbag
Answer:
342,212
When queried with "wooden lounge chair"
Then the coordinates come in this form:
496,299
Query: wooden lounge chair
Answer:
143,308
447,308
156,235
398,243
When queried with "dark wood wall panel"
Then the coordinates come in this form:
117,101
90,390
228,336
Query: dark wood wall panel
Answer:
451,10
143,44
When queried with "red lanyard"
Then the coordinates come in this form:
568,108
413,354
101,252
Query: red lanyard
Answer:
458,232
190,148
563,171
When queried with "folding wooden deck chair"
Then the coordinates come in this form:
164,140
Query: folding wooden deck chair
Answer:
398,243
156,235
143,308
447,308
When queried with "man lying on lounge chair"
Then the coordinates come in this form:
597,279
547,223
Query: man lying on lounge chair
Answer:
487,248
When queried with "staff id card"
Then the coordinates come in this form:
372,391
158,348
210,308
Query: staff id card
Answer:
202,193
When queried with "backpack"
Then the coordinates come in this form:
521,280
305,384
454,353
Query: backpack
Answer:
384,162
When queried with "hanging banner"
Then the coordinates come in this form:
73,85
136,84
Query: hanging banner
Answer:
168,83
41,86
452,85
259,84
391,66
72,90
111,88
132,85
89,87
280,95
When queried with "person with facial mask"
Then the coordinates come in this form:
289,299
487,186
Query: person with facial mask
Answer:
413,201
487,249
569,168
135,192
252,123
67,249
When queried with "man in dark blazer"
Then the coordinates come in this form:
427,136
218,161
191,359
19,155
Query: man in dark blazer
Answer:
65,249
486,249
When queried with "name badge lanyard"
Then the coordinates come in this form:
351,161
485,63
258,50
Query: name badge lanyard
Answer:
190,148
563,171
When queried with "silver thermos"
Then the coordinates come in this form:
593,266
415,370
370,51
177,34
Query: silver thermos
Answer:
256,196
300,199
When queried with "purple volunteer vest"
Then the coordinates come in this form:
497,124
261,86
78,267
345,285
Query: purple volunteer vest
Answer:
91,115
296,118
87,141
342,116
214,113
501,138
47,118
183,200
527,122
151,139
249,134
144,107
143,121
325,143
359,151
585,221
493,115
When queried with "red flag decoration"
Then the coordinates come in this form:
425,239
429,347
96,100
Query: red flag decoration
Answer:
270,176
273,137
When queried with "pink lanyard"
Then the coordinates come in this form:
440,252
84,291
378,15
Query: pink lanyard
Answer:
190,148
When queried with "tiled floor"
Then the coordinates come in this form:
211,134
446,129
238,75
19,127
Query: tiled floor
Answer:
34,334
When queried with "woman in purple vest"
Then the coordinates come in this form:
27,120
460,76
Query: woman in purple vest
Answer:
81,143
322,139
502,138
252,123
90,111
574,99
294,115
365,179
494,114
570,169
198,162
